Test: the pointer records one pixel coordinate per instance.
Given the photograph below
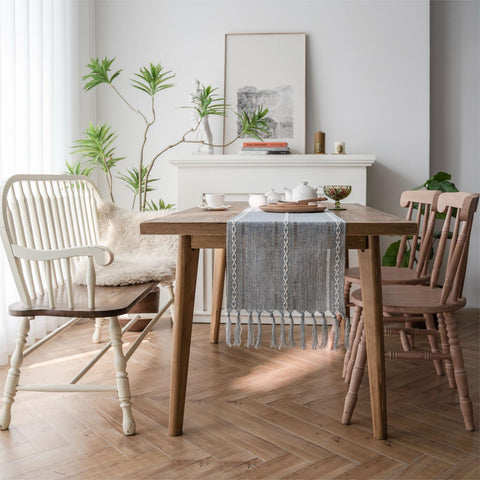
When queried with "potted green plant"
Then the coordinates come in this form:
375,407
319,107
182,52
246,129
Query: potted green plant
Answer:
97,149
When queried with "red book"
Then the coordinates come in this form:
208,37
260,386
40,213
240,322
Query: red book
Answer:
264,144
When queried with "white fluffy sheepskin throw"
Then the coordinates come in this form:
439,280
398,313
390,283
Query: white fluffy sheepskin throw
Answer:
137,258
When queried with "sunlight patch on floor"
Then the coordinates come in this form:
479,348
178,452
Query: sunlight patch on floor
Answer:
90,353
275,374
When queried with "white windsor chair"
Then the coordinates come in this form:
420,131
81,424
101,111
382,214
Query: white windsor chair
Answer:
47,223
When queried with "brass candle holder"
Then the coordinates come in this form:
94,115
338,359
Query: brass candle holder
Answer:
319,142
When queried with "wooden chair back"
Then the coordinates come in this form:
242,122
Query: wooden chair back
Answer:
422,208
465,206
46,223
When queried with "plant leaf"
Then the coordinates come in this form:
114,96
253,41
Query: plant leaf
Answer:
99,73
441,176
132,180
97,147
390,257
207,102
439,181
254,123
78,168
152,79
161,205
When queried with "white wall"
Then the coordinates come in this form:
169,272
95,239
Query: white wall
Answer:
367,74
455,102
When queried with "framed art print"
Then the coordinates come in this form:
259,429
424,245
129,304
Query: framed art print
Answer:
268,70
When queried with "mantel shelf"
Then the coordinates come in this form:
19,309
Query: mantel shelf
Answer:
294,160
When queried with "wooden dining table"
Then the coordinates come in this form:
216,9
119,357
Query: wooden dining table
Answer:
199,229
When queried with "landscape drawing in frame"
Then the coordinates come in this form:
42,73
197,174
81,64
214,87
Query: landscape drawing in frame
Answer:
266,69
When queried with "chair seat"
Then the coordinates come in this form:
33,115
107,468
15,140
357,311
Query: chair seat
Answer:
390,276
109,302
411,299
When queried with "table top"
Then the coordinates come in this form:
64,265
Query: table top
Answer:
361,220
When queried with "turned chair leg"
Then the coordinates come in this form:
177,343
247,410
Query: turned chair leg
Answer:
13,375
172,306
459,370
356,343
97,333
432,340
411,338
354,387
341,327
353,333
405,341
123,384
446,349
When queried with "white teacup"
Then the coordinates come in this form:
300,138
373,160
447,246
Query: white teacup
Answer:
256,200
214,199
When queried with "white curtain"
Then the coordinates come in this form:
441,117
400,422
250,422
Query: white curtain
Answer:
44,46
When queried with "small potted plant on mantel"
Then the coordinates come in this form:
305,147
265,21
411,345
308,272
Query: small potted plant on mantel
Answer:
97,149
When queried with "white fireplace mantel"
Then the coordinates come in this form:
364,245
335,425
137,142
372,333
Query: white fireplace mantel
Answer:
277,161
238,175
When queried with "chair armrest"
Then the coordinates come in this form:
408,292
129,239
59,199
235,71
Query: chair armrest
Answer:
102,255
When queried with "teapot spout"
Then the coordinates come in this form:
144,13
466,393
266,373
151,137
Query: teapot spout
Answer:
288,194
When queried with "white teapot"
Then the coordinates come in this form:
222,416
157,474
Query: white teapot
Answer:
300,192
273,196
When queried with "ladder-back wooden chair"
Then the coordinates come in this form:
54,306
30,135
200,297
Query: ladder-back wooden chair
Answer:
47,224
430,300
421,207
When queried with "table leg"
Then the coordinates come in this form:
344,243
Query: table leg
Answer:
187,266
370,279
217,297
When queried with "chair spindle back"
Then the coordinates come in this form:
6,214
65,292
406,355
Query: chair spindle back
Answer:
422,208
42,214
465,205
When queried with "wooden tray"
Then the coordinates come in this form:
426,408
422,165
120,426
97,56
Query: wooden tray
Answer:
292,208
305,202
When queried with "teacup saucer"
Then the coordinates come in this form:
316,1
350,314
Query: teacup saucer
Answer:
214,209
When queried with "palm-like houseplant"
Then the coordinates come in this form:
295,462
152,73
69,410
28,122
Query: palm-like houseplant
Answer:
97,147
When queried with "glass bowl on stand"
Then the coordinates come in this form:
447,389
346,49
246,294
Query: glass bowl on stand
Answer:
337,193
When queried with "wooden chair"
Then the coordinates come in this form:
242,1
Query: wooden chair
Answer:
47,223
429,300
421,207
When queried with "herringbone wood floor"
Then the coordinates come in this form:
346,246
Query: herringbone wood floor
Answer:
250,414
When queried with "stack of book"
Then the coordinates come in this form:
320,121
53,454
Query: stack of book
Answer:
265,148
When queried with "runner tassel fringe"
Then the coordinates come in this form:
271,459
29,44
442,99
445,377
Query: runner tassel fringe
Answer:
259,329
282,341
238,332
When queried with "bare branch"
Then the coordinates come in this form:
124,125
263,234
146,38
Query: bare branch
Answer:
173,145
202,142
182,140
141,200
128,104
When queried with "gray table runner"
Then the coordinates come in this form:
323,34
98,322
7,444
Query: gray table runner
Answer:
278,263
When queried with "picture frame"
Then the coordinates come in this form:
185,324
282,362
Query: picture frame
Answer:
267,69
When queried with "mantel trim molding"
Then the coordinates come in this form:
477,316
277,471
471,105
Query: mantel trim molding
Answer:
294,160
